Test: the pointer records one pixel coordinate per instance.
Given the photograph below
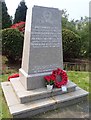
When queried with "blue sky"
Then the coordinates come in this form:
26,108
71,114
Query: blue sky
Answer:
75,8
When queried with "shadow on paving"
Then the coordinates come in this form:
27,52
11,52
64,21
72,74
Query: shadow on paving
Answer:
79,110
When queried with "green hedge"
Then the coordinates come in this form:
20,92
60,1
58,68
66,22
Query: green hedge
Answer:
71,45
12,44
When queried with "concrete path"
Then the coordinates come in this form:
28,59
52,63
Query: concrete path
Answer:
80,110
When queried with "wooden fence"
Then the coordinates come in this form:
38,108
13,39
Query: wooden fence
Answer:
76,66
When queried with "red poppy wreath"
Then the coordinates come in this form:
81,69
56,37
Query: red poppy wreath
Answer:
62,74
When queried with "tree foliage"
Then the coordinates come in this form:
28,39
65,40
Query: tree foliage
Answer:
20,14
71,45
6,19
83,31
81,28
66,24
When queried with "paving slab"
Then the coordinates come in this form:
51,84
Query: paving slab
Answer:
39,106
79,92
25,96
9,94
78,110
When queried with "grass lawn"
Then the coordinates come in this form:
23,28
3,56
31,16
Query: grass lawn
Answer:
80,78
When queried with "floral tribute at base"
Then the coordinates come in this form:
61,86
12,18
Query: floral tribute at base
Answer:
13,76
52,79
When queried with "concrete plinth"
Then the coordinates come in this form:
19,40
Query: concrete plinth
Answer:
25,96
29,109
32,81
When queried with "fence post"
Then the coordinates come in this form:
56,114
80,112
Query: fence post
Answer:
76,66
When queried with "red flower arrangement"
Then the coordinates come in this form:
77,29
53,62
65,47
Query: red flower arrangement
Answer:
20,26
53,78
50,79
13,76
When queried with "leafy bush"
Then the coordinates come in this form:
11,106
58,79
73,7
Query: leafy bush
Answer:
12,44
71,45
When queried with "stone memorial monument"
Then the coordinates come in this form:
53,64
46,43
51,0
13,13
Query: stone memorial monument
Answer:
27,95
42,51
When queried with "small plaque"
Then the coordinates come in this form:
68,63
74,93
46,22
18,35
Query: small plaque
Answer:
64,88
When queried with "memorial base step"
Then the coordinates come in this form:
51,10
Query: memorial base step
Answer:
30,109
25,96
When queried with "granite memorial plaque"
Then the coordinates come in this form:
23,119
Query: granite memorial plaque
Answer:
42,50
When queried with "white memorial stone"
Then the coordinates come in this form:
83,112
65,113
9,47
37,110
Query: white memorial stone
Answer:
42,50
